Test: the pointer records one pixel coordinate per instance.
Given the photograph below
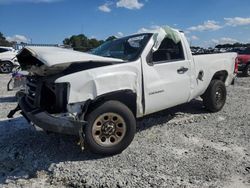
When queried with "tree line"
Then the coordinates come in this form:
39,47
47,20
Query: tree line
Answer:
235,45
4,41
78,42
83,43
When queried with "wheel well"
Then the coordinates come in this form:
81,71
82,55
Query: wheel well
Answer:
1,61
220,75
126,97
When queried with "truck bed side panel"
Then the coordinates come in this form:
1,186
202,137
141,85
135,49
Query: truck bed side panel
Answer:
210,64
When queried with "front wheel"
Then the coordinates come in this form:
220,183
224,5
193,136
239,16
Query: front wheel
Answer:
111,128
6,67
215,96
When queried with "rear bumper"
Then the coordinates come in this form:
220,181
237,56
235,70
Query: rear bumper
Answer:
50,122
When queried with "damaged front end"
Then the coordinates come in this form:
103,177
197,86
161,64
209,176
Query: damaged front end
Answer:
45,105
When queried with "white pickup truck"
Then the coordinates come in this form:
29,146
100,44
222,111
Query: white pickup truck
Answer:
100,95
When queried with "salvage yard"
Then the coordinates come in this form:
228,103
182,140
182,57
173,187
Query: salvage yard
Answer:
183,146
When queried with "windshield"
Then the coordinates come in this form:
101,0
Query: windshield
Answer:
127,48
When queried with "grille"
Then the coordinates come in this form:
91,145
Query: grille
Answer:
32,90
47,95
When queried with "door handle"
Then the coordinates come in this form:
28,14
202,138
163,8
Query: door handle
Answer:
182,70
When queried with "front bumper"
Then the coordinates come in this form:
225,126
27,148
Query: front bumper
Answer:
49,122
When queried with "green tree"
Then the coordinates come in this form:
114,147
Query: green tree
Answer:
82,43
111,38
3,41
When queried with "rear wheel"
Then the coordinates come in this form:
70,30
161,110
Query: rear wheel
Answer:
246,71
6,67
111,128
215,96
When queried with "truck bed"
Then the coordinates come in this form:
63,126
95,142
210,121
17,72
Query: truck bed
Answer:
209,64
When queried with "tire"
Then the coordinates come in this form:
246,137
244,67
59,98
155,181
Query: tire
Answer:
215,96
111,128
6,67
246,71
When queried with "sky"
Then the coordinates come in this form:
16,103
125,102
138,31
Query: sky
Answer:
206,23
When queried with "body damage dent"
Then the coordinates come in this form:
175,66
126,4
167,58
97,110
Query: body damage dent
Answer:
46,61
88,85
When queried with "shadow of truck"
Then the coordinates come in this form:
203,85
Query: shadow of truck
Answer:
25,151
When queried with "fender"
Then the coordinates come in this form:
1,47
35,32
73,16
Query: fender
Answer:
127,97
95,83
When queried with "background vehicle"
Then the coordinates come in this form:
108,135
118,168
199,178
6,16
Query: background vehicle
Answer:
100,95
8,59
244,62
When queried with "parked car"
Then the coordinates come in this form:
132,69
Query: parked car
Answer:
99,96
244,62
8,59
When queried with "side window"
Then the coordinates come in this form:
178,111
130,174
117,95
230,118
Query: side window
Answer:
168,51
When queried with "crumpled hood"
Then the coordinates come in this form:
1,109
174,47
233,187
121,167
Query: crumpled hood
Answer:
51,60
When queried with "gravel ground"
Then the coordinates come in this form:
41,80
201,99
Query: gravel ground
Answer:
180,147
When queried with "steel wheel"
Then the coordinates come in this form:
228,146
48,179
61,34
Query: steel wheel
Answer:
109,129
219,96
215,96
5,67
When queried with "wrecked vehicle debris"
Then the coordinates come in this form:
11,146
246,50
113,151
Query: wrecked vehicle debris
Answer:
100,95
17,80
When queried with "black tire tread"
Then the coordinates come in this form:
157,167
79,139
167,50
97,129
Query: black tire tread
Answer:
208,100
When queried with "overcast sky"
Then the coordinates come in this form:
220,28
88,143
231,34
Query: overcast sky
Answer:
206,23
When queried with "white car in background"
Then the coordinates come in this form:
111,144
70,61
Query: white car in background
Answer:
8,59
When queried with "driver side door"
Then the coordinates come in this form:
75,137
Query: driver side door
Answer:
167,77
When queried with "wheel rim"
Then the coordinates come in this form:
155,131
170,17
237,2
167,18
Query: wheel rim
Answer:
5,67
219,96
109,129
